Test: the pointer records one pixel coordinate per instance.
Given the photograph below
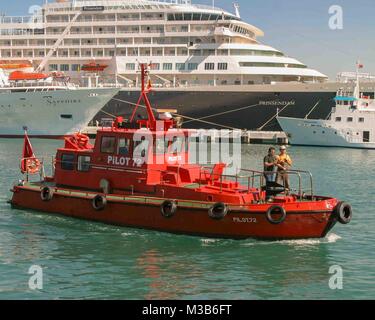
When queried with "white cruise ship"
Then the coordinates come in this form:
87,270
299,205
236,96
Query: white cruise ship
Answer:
206,62
46,107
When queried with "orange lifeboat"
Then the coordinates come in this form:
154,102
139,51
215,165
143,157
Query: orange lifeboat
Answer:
20,75
9,65
94,67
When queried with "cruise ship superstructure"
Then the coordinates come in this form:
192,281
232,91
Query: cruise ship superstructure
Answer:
204,60
187,44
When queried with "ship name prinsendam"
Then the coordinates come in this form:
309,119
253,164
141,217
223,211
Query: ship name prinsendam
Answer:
277,103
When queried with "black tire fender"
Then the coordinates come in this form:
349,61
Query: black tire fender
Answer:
99,202
273,210
344,212
168,208
218,211
46,194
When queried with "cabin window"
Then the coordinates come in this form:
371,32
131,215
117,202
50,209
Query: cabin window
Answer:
84,163
108,145
338,119
67,161
123,147
361,120
349,119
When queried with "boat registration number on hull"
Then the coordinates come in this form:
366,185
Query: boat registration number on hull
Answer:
244,220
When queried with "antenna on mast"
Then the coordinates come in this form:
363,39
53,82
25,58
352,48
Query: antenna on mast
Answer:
237,10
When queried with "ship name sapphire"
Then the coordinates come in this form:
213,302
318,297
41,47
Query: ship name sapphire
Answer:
63,101
277,103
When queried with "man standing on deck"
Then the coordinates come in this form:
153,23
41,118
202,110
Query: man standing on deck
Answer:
283,163
270,165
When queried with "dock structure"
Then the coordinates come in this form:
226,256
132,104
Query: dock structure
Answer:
264,137
247,136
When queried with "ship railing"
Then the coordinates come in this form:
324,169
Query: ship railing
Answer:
299,174
256,180
35,85
17,19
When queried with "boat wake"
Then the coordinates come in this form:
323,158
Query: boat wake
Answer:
330,238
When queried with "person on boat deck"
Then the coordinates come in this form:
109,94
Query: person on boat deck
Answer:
283,163
270,165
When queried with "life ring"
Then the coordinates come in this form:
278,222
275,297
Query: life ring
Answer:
276,210
99,202
46,194
168,209
32,165
344,212
218,211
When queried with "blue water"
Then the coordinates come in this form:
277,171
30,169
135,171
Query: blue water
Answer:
89,260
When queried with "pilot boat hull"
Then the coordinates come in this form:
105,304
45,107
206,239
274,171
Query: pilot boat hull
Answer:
311,219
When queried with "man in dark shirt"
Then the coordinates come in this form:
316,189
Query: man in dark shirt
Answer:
270,165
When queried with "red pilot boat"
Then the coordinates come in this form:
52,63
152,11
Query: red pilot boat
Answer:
107,182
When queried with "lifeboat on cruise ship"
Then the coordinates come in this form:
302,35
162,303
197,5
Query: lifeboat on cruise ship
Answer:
128,178
27,76
94,67
11,65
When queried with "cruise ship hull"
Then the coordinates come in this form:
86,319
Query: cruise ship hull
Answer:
250,108
49,114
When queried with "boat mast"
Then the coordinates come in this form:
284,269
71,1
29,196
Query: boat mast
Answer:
144,97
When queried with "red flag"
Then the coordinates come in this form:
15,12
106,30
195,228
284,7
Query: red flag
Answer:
26,153
360,65
149,85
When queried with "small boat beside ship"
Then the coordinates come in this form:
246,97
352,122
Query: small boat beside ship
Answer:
110,182
351,124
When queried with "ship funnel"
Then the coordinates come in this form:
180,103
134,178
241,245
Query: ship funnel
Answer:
237,10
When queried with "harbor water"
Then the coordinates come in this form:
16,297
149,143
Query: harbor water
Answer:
89,260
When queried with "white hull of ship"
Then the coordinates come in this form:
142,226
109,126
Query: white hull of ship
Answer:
50,113
305,132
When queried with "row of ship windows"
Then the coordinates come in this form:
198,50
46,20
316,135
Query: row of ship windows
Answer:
146,16
199,17
189,67
350,119
155,52
154,66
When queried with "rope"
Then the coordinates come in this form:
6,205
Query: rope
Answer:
225,112
313,108
182,116
273,117
190,119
